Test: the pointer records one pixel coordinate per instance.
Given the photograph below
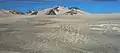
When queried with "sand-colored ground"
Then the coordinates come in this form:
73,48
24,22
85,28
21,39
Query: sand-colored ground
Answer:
59,34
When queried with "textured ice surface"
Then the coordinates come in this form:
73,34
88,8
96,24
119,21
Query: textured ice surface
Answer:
43,35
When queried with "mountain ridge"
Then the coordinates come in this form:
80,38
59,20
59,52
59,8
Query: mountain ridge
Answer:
56,10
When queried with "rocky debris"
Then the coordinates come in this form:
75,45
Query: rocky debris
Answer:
68,34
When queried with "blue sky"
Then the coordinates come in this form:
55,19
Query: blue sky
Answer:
85,5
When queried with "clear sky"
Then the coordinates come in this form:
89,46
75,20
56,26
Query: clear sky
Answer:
92,6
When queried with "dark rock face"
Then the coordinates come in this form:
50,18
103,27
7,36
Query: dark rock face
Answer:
34,13
51,12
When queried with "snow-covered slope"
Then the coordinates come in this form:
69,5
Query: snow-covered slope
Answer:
61,10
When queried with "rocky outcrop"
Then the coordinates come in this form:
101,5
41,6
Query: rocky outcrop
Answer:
32,12
16,12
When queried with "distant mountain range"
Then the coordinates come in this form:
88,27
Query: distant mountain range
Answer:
56,10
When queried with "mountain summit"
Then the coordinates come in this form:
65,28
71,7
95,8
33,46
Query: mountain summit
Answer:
61,10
